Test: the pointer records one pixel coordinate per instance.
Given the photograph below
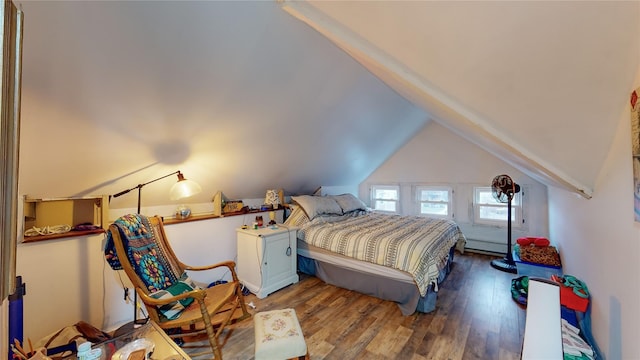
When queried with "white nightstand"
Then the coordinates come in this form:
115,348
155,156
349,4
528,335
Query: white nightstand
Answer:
267,258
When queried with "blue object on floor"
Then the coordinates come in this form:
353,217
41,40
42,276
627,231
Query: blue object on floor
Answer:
217,282
245,291
582,321
16,313
569,315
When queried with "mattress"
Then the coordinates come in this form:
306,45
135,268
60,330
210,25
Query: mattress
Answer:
342,261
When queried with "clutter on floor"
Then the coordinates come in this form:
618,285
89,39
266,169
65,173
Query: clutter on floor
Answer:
535,257
537,251
65,341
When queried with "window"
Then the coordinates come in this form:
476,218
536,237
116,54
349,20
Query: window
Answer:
487,210
434,201
385,198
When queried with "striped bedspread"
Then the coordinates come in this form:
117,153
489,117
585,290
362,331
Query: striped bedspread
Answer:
417,245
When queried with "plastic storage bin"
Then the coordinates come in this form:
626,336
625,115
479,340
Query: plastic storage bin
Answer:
529,269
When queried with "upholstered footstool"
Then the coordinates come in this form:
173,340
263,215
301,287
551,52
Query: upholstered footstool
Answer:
279,336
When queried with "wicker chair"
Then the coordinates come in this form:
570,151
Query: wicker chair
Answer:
142,249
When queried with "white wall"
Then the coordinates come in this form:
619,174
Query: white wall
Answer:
438,156
600,243
338,190
67,280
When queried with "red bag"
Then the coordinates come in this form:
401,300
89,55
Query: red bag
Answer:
574,293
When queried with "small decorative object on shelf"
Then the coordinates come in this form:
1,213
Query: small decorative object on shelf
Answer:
232,206
183,212
259,220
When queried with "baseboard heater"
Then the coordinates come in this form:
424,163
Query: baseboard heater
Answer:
485,246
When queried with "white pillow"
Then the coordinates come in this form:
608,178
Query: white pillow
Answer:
349,203
297,217
317,205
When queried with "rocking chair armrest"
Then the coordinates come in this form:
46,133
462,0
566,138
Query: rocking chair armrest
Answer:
197,294
230,264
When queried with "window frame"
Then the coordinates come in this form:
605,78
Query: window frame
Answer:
418,189
517,206
375,200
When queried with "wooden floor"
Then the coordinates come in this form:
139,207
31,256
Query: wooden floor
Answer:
475,318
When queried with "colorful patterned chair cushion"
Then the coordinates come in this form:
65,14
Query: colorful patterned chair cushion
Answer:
149,259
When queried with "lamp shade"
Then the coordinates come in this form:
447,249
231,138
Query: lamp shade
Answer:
183,188
272,198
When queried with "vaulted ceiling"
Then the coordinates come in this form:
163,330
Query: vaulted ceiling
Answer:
539,84
243,96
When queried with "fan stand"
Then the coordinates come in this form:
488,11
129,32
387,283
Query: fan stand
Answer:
507,264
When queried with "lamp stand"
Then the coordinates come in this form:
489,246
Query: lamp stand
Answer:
139,322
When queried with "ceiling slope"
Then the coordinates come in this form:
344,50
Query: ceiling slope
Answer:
539,84
239,96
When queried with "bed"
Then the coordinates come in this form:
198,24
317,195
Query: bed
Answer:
392,257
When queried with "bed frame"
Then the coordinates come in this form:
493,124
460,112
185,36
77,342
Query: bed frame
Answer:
346,256
379,281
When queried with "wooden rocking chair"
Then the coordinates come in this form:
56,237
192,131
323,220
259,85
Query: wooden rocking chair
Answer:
161,282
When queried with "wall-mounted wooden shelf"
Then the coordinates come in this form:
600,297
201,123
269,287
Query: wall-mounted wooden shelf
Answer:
174,220
52,212
198,217
41,213
31,239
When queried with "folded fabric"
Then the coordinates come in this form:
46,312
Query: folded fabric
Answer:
520,289
574,293
525,241
174,309
573,345
541,242
537,241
